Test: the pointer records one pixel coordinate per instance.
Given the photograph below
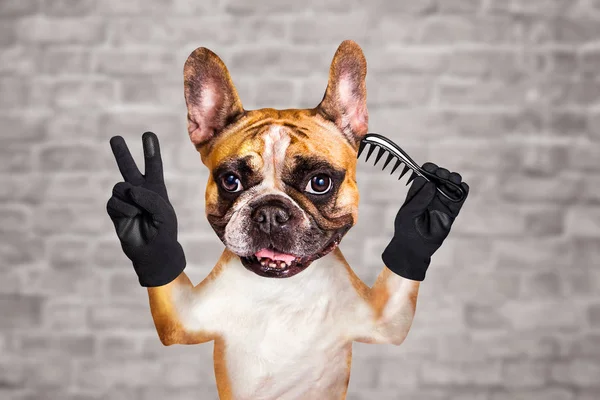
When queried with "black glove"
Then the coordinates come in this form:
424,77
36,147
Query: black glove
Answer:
422,224
144,219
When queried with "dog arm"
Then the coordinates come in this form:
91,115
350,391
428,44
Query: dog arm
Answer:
393,300
181,312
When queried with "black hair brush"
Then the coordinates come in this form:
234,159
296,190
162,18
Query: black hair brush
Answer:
447,188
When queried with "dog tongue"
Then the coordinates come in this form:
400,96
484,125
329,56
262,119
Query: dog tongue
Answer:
273,255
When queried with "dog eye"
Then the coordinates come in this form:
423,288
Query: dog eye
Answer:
319,184
231,183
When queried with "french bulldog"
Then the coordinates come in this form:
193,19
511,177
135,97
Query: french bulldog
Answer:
282,305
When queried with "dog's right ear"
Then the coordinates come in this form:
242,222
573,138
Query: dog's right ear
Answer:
211,98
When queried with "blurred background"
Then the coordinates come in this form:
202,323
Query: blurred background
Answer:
506,92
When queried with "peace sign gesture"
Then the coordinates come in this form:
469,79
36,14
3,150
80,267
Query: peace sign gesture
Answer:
144,219
153,178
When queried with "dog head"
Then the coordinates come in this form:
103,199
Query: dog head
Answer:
282,187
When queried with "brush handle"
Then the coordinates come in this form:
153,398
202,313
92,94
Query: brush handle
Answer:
456,194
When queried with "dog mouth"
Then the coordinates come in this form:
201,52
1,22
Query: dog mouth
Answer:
271,263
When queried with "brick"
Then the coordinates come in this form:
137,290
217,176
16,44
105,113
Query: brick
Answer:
482,93
75,94
22,128
448,373
334,29
568,123
583,222
479,222
69,8
541,159
18,8
408,61
67,316
587,394
273,61
400,92
566,30
267,7
581,373
591,191
173,31
460,348
485,63
128,63
20,311
403,28
264,29
525,374
445,30
18,60
543,315
542,285
68,254
108,253
8,33
125,285
393,374
14,218
459,6
568,92
593,125
484,317
128,374
187,374
582,283
16,158
542,7
57,61
584,157
45,346
54,282
57,219
524,188
275,93
564,62
75,188
594,315
48,374
183,393
15,93
12,374
135,7
525,346
119,346
121,316
587,346
71,124
147,91
586,252
69,158
19,249
40,30
551,393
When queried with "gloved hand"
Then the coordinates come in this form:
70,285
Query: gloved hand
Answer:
421,225
144,219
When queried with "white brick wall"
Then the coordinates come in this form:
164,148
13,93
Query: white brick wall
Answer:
505,92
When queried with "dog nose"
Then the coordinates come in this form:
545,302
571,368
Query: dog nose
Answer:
271,216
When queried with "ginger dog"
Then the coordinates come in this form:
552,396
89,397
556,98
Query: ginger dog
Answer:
282,305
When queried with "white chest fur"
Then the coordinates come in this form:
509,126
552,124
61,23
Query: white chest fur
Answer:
284,338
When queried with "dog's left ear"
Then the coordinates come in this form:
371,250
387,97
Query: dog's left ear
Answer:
345,100
210,95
